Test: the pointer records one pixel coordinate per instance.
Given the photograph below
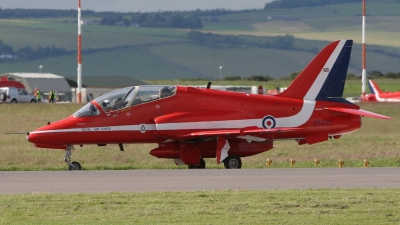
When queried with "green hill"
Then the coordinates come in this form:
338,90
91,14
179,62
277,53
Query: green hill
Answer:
162,53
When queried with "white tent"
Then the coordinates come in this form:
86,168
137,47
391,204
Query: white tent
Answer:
44,81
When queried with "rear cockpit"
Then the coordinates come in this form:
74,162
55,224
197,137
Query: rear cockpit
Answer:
126,97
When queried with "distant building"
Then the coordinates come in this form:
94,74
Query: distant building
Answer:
45,82
7,56
279,17
89,22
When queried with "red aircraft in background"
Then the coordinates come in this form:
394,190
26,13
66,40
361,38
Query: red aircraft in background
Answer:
377,95
190,124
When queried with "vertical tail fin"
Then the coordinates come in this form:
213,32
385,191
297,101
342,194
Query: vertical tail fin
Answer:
325,76
374,88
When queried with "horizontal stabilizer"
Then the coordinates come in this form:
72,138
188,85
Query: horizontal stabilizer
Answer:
360,112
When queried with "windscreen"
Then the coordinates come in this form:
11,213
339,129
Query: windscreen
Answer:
114,100
149,93
87,110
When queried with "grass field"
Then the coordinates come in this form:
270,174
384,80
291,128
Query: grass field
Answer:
359,206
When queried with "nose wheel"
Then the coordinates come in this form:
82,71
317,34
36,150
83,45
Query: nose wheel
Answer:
71,165
75,166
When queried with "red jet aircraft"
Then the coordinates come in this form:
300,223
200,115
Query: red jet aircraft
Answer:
377,95
190,124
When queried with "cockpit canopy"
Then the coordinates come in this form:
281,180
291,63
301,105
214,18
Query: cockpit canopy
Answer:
126,97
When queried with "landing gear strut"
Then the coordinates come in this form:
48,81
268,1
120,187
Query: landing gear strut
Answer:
67,158
232,162
202,165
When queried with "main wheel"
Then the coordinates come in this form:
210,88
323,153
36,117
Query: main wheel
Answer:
233,162
202,165
75,166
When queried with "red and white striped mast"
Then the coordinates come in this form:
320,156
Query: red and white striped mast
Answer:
364,64
79,80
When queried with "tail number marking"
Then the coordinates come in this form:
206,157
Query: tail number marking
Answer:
322,122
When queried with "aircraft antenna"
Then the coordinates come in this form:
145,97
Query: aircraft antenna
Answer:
79,80
364,65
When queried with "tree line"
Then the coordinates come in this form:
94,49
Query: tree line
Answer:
212,40
42,13
31,53
56,13
262,78
374,74
290,4
170,20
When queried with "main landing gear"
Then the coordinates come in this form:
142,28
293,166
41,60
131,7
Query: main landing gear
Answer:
232,162
202,165
71,165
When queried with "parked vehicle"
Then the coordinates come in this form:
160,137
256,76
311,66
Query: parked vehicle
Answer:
15,95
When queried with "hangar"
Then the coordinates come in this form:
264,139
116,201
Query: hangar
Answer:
45,82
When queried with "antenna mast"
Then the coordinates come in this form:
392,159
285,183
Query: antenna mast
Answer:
364,64
79,80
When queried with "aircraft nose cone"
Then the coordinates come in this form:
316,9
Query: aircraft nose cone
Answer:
32,137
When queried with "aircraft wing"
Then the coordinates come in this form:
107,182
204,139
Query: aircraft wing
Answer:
181,126
238,132
360,112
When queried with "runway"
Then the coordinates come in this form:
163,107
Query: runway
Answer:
192,180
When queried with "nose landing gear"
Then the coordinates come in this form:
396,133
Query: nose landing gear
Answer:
67,158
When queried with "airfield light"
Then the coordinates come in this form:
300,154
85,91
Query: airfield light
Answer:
366,163
316,162
292,162
269,162
340,162
40,68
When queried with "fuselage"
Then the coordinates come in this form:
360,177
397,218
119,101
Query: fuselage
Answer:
191,110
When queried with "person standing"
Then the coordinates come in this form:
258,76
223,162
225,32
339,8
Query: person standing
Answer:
52,96
38,95
34,92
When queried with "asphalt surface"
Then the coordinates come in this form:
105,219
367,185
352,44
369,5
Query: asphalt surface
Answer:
192,180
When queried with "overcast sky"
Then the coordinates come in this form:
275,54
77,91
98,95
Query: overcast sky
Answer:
136,5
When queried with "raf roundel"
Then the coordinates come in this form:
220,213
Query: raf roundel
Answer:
268,122
142,128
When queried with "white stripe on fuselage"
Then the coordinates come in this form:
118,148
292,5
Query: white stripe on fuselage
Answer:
139,127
